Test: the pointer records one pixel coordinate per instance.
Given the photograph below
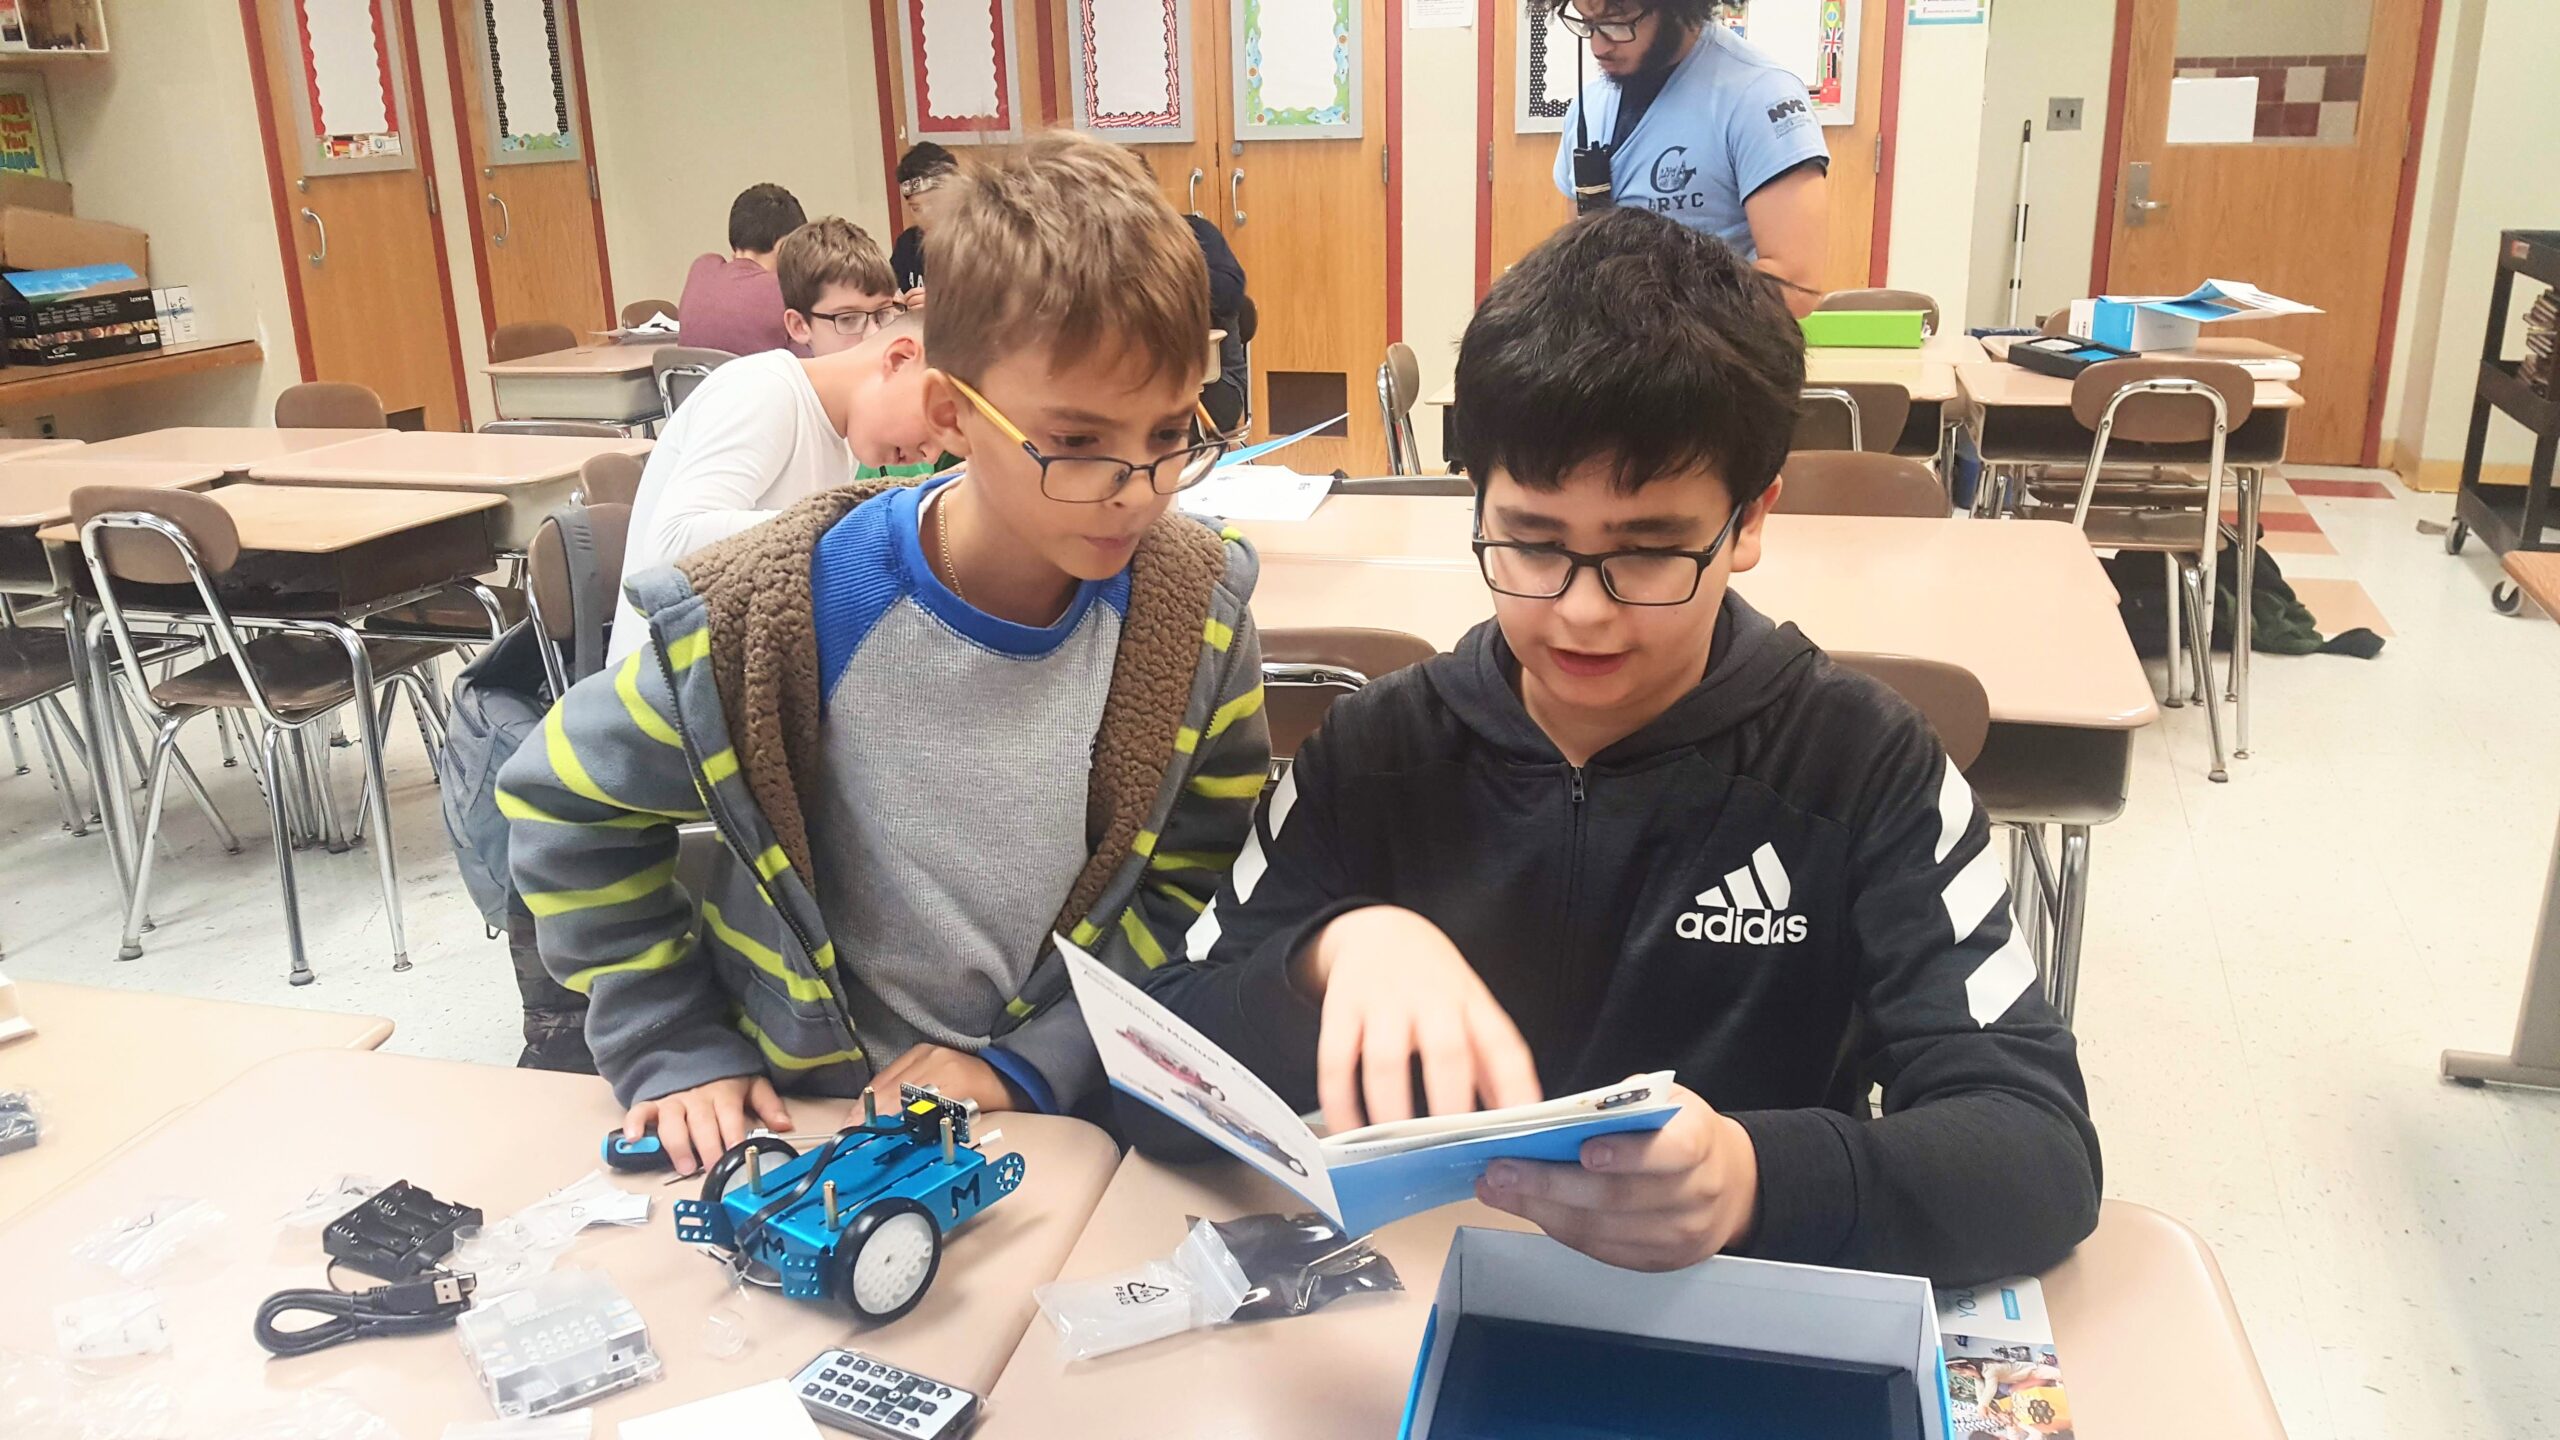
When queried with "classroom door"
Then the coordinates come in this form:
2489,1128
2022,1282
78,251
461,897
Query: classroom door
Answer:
1531,91
367,257
1303,199
520,102
2264,143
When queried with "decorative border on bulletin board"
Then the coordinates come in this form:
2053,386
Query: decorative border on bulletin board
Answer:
538,142
1542,50
1257,119
923,120
374,145
1170,123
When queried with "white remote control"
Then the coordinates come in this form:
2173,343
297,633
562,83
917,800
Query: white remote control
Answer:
864,1395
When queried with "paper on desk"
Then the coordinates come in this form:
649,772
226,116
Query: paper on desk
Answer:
1256,492
13,1022
660,326
770,1411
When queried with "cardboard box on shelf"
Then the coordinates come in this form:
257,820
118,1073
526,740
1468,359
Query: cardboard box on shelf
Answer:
35,192
53,317
33,239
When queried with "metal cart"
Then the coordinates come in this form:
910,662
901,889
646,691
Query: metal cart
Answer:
2510,517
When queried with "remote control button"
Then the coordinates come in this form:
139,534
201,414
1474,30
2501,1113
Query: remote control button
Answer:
830,1376
942,1392
829,1396
809,1389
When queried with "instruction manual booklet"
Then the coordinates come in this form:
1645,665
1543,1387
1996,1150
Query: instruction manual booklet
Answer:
1360,1179
2004,1381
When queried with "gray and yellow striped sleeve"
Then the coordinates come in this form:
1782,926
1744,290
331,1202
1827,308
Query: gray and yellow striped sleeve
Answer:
592,801
1223,770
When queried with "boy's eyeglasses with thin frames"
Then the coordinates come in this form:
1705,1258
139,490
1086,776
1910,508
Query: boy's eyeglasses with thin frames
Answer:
855,323
1092,479
1535,570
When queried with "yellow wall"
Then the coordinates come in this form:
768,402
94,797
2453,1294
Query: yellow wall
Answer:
2040,50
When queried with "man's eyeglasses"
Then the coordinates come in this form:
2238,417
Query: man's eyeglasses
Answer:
1539,571
910,189
1092,479
855,323
1616,32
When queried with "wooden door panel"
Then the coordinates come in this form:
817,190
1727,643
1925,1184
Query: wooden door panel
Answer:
375,307
2311,222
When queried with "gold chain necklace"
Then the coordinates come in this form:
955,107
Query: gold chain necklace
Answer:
942,538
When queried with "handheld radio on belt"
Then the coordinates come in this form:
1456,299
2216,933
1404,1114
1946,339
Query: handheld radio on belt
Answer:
1591,183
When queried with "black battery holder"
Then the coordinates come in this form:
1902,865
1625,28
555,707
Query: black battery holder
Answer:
398,1233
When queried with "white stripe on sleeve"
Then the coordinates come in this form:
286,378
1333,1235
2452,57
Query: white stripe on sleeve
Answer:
1996,983
1955,808
1971,895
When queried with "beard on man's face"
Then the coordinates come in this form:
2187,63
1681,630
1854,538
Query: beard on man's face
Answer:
1659,56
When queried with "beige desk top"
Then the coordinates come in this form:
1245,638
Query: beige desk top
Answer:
2024,605
585,360
231,447
37,491
2209,347
1928,372
2142,1300
1991,383
309,520
111,1063
18,448
499,1138
441,460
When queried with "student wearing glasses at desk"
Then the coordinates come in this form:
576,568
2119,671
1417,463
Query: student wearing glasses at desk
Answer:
1630,824
1688,120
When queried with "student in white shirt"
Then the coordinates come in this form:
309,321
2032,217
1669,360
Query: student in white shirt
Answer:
765,432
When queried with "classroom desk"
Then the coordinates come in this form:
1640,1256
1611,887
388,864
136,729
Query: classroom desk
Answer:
20,447
36,492
532,474
109,1064
499,1138
2146,1331
235,448
610,383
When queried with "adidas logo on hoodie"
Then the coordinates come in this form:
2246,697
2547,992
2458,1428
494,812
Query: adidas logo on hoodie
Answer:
1749,907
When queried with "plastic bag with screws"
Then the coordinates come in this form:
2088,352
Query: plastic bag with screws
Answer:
592,1200
137,1245
503,1255
1200,1286
21,1120
1298,1263
42,1396
105,1327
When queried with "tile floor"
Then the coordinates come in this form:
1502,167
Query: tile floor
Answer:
2272,966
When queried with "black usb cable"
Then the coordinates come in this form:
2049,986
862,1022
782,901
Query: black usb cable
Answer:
407,1307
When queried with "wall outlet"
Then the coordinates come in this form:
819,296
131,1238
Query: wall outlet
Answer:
2062,114
45,427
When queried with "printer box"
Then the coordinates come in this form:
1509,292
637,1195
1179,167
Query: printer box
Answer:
2176,322
53,317
1527,1337
177,307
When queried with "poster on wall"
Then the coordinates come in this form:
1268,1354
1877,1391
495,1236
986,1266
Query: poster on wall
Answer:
1546,72
26,128
1818,39
528,89
1132,69
353,112
960,59
1298,69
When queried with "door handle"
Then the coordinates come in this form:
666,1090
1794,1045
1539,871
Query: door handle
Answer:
321,255
2138,204
1235,194
1192,197
506,221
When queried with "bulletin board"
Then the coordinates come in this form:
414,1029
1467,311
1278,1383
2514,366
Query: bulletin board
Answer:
1818,39
1298,69
962,72
1546,78
26,128
1132,69
526,82
353,113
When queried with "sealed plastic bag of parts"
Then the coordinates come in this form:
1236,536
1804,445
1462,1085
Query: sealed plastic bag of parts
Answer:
1200,1285
1296,1263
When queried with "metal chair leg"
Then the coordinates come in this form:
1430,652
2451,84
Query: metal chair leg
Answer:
17,752
204,802
378,788
57,718
155,791
2071,919
333,821
271,761
222,727
2174,694
2252,486
73,807
2196,635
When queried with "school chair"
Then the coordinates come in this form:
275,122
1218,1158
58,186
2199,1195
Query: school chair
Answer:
1860,482
329,405
1949,697
638,312
1248,322
530,337
2148,411
1305,670
679,368
35,673
581,429
573,575
612,478
1399,386
1405,485
293,678
1884,300
1851,415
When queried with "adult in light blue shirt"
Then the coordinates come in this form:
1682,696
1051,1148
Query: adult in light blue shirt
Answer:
1701,127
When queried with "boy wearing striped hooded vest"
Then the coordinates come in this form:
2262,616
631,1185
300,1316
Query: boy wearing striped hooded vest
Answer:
930,724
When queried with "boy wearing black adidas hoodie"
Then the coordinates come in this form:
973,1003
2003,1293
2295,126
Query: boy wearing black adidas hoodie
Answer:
1633,825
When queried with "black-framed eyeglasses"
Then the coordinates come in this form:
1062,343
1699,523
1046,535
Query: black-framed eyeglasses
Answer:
856,323
1535,570
1092,479
910,189
1616,32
